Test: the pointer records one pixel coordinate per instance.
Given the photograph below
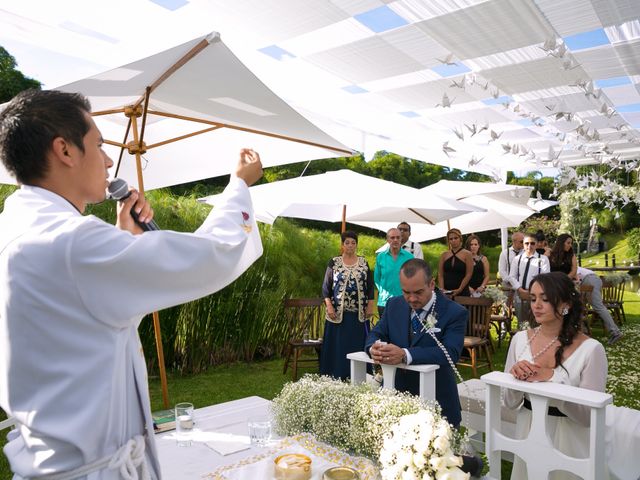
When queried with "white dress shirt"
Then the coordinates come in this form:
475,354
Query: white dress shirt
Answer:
538,264
504,262
73,290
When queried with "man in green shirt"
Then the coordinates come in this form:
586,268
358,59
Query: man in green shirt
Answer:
386,275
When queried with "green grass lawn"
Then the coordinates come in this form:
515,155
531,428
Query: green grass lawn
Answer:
265,379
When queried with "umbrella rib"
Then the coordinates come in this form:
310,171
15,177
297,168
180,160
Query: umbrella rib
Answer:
107,112
144,115
249,130
182,137
421,216
122,147
172,69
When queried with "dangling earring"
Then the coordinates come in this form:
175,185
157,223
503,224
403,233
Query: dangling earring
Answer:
565,311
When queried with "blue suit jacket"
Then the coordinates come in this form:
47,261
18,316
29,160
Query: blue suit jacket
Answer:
393,328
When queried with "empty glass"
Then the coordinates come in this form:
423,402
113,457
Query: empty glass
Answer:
259,430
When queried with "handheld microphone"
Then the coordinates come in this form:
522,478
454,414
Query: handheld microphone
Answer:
119,190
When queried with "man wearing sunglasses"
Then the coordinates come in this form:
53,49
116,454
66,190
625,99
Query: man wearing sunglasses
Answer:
524,268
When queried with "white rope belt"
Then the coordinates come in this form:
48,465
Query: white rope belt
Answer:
126,460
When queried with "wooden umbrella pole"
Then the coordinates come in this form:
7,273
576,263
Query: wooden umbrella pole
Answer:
448,225
138,149
344,218
422,216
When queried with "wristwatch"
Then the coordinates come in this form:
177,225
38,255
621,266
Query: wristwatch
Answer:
404,357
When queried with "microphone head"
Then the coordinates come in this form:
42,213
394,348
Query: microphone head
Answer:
118,189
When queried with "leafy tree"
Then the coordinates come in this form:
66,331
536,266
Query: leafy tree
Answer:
12,81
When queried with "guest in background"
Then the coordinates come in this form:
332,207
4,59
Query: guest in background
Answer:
480,275
386,275
542,246
562,258
455,266
556,351
414,248
348,295
588,277
507,256
524,267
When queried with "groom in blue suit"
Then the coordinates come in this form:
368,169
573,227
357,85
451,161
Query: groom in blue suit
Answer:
404,327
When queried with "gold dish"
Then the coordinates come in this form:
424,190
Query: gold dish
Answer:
340,473
292,466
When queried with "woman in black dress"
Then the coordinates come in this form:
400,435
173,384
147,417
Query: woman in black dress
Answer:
480,275
562,258
455,266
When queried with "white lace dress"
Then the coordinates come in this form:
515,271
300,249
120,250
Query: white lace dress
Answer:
586,367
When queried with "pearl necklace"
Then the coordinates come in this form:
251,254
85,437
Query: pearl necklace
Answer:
540,352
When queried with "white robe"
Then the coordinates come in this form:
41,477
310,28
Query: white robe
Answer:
73,290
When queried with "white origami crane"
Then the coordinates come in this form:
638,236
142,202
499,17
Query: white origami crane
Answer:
445,101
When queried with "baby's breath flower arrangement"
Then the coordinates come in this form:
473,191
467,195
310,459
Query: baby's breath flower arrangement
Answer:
495,293
357,419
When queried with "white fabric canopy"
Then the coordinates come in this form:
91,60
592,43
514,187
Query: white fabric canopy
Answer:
326,196
211,90
554,82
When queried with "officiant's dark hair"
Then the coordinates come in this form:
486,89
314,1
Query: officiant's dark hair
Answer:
411,267
30,123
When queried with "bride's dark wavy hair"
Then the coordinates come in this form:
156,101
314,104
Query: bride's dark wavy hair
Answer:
558,288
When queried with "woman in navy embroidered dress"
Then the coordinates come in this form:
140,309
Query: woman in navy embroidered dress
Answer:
348,295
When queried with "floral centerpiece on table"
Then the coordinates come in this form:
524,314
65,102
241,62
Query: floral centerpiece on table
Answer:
370,423
495,293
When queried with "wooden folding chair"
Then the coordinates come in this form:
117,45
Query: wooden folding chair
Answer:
305,318
477,338
585,296
613,299
502,315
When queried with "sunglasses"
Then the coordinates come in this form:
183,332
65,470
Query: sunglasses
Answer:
529,243
404,229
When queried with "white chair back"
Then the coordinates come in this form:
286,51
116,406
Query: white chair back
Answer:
427,374
537,449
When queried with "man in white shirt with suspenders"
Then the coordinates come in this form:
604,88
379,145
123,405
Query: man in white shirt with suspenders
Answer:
524,268
507,256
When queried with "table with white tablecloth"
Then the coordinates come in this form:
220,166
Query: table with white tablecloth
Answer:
223,426
221,448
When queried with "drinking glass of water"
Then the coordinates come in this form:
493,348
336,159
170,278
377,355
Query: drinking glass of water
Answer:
184,423
259,430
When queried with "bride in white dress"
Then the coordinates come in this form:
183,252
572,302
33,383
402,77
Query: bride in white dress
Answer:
556,351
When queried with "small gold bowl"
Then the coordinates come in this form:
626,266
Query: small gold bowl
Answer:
340,473
292,466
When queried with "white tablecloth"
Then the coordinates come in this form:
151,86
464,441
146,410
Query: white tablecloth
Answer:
226,420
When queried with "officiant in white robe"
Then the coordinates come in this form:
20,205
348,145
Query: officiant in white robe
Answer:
73,290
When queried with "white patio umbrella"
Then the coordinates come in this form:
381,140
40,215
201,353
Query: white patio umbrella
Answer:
347,196
505,206
182,115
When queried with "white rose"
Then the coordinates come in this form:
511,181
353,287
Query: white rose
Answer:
403,457
452,474
419,460
410,474
441,443
438,463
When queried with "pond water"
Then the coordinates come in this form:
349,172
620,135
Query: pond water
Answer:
633,285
